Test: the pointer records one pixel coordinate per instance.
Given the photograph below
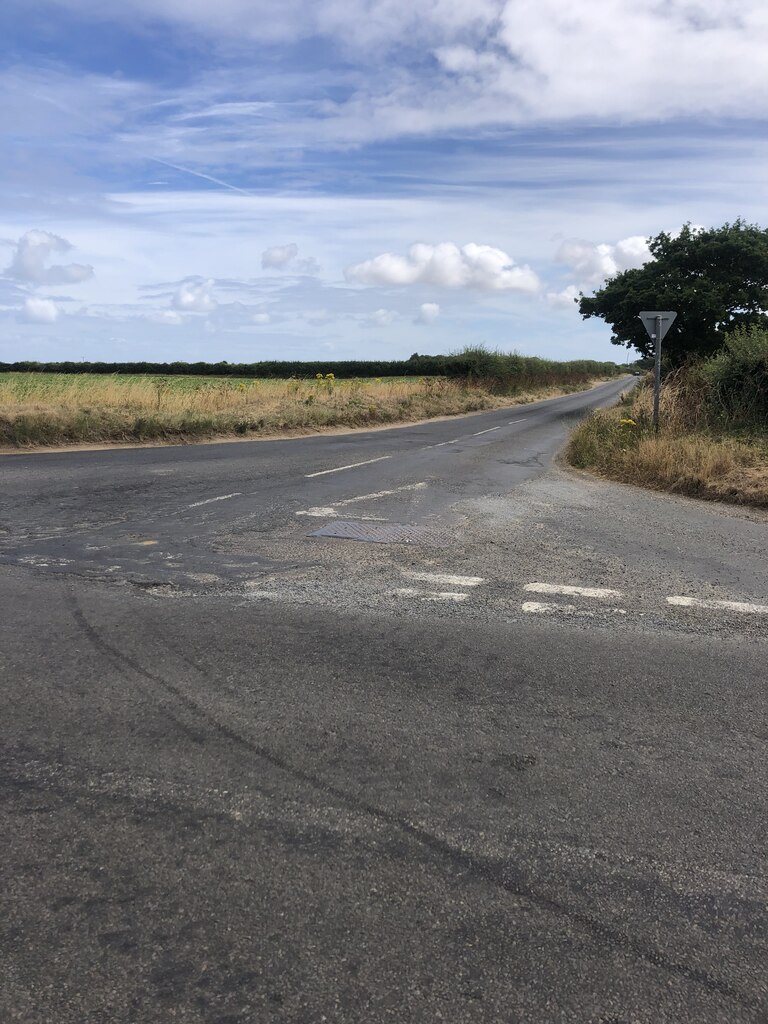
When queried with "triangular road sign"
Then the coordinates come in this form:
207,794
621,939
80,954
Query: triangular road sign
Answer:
650,319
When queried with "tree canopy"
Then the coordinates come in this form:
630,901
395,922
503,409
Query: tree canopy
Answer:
715,279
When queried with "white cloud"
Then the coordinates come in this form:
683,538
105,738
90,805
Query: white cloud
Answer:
592,264
166,316
195,296
261,318
382,317
279,256
428,313
354,23
565,299
498,62
40,311
447,266
33,250
286,257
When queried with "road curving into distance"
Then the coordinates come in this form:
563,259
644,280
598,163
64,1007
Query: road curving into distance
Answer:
508,767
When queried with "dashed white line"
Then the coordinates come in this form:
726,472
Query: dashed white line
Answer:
352,465
332,513
743,607
430,595
325,511
445,579
569,591
208,501
457,440
521,420
382,494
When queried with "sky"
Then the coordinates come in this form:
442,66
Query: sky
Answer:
311,179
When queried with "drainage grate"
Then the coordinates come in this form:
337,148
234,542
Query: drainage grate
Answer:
377,533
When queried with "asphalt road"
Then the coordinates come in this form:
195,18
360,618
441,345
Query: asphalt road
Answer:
512,770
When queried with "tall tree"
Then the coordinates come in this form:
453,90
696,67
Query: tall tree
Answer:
716,280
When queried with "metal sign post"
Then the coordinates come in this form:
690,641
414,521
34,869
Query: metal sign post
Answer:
657,322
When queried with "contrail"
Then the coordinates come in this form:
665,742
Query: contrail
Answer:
154,159
199,174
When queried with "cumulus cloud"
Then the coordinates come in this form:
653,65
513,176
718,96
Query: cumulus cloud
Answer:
194,296
40,311
428,313
279,256
286,257
447,266
33,251
593,264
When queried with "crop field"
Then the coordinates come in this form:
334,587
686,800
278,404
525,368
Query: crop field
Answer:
45,409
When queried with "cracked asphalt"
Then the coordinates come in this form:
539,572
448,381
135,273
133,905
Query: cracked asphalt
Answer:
511,771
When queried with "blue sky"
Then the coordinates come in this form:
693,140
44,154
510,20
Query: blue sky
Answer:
253,179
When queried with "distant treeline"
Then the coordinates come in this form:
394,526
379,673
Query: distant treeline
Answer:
477,363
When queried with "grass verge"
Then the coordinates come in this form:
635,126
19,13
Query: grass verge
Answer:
692,455
46,410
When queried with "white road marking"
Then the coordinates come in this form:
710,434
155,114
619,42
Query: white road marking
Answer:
538,607
332,513
445,579
325,511
457,440
430,595
726,606
319,510
568,591
352,465
521,420
221,497
382,494
541,608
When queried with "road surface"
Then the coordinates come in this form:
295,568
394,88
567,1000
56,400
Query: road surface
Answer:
508,768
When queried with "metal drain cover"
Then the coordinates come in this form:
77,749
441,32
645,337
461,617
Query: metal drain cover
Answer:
376,533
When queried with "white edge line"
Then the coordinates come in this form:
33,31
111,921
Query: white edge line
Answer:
713,605
353,465
208,501
570,591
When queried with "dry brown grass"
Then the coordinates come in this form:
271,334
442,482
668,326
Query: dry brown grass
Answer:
56,409
619,443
